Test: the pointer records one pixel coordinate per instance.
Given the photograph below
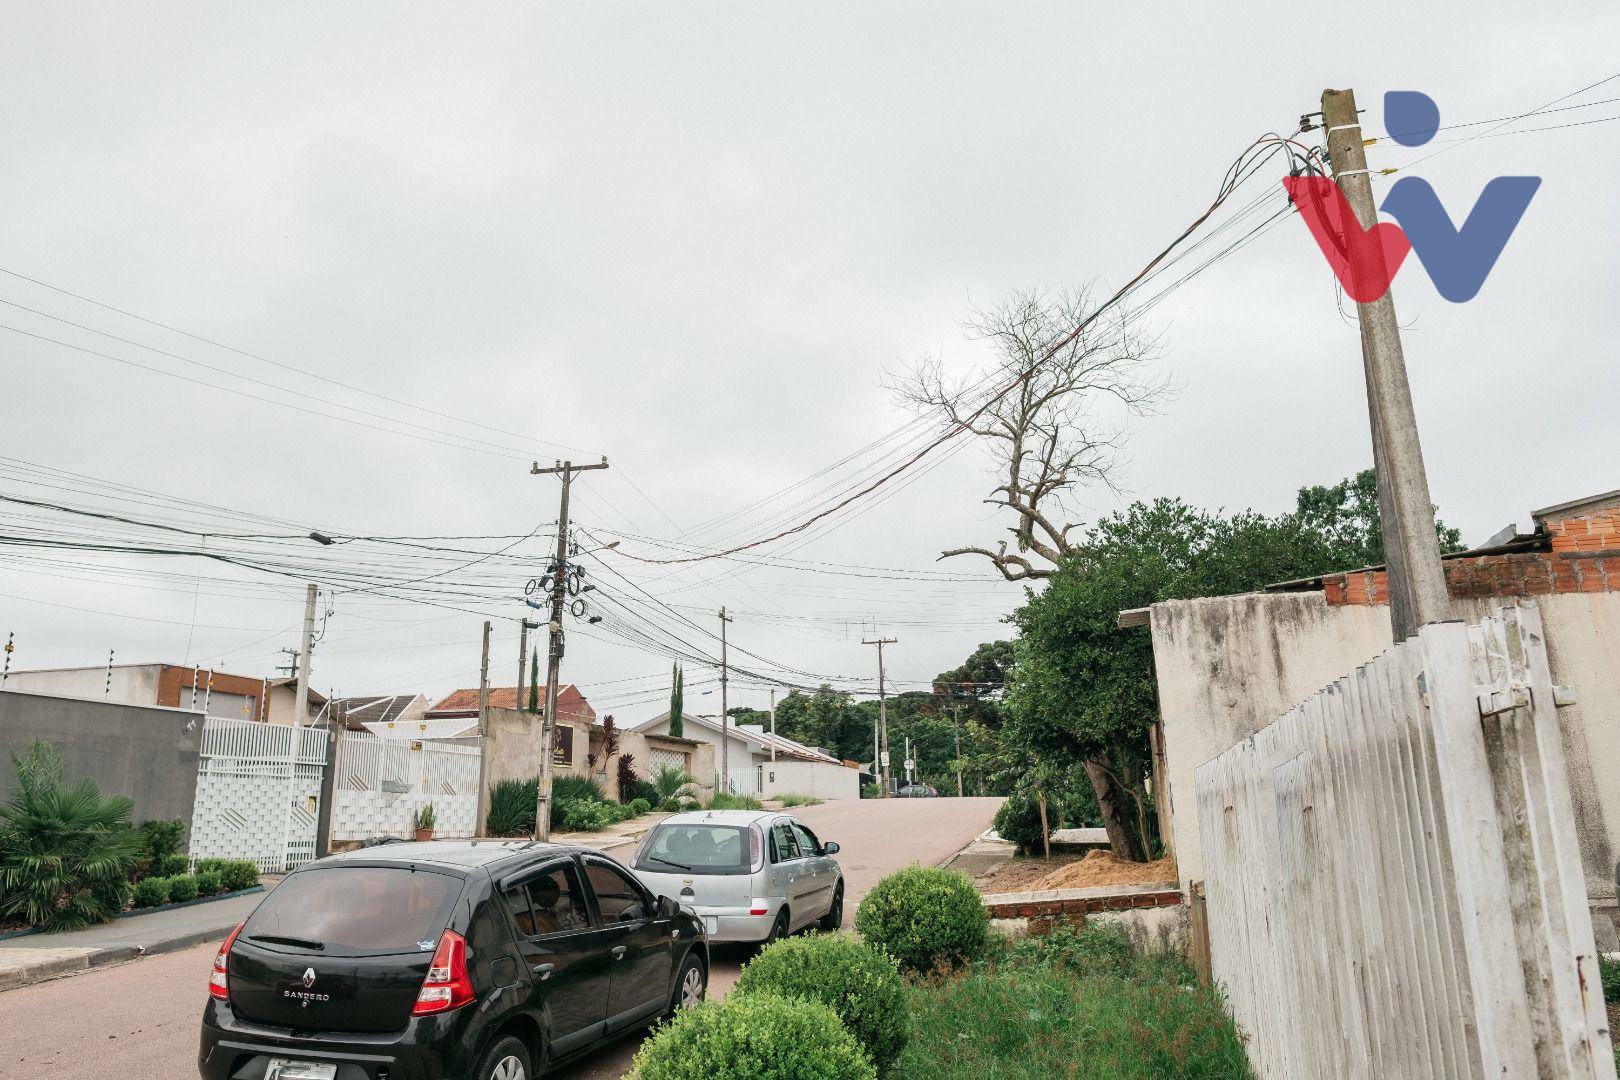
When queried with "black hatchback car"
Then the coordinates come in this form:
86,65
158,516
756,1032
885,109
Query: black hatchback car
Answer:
445,961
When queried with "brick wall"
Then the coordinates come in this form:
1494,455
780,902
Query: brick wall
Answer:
1584,556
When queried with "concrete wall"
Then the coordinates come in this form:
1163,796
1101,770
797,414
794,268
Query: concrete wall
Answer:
1227,666
144,752
786,776
512,747
743,754
135,684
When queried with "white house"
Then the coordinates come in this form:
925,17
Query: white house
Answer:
765,764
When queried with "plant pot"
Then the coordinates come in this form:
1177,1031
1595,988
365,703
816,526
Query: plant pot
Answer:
424,834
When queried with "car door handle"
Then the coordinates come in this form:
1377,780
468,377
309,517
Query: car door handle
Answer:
544,970
619,951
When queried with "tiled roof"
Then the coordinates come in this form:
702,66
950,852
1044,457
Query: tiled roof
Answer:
752,733
570,702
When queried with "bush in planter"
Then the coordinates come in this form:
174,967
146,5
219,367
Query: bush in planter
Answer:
66,853
753,1037
151,892
208,883
925,918
856,981
171,865
584,815
640,806
182,888
238,874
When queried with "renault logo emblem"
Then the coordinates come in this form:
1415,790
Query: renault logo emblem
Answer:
309,978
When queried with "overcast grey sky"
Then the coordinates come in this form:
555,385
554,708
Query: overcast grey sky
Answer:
693,237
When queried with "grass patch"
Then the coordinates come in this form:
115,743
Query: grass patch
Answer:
1079,1005
800,800
726,801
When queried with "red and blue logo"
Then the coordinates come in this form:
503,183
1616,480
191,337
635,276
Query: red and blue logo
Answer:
1457,259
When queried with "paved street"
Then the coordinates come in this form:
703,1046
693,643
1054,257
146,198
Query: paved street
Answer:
140,1019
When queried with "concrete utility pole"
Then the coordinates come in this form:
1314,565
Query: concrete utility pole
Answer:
956,712
1417,581
559,594
725,719
524,626
883,718
773,727
482,804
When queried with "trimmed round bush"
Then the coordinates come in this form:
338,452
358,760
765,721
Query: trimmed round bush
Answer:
1019,822
854,980
238,874
640,806
152,891
755,1036
208,883
925,918
182,888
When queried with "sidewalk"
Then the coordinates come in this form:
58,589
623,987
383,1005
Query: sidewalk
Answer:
38,957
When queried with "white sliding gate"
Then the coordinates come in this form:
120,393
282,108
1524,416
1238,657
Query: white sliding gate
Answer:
1394,887
382,783
257,799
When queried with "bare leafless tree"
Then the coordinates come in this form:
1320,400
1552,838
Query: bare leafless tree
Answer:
1060,426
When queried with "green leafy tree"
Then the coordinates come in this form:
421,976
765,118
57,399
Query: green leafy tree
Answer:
677,703
1081,694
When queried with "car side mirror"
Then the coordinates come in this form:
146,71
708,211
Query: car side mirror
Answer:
830,847
667,907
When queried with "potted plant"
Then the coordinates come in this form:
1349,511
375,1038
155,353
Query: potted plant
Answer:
425,819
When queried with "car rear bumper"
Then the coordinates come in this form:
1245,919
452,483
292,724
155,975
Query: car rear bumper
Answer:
737,924
428,1049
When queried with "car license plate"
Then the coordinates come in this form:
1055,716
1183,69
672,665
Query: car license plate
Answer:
282,1069
711,924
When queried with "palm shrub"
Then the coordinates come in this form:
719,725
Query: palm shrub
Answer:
758,1036
66,853
671,782
859,983
925,918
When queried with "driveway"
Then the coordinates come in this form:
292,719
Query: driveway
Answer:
140,1019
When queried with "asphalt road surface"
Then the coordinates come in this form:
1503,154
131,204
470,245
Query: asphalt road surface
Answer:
139,1020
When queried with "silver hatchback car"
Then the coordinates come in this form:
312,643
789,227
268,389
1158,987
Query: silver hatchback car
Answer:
751,875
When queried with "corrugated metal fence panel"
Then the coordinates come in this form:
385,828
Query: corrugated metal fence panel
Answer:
383,782
1392,881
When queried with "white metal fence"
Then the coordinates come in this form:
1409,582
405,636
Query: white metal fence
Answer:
1394,888
744,780
382,783
257,799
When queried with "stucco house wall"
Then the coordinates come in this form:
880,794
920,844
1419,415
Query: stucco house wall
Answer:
786,776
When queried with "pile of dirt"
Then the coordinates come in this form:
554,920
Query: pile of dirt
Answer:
1100,868
1016,874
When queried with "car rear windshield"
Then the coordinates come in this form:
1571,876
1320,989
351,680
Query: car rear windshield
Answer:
355,911
695,849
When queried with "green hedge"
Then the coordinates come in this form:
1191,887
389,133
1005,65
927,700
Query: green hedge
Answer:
173,864
182,887
925,918
209,883
151,892
753,1037
238,874
856,981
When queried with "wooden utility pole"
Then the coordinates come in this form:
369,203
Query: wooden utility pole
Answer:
559,594
725,718
1417,581
482,805
883,718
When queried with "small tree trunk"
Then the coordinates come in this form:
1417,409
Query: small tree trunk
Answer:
1046,830
1111,800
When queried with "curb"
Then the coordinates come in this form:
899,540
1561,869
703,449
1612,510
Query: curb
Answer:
60,967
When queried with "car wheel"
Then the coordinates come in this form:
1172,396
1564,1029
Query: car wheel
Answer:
834,919
779,929
691,985
508,1059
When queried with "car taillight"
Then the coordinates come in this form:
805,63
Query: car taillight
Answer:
759,906
219,982
756,850
447,986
